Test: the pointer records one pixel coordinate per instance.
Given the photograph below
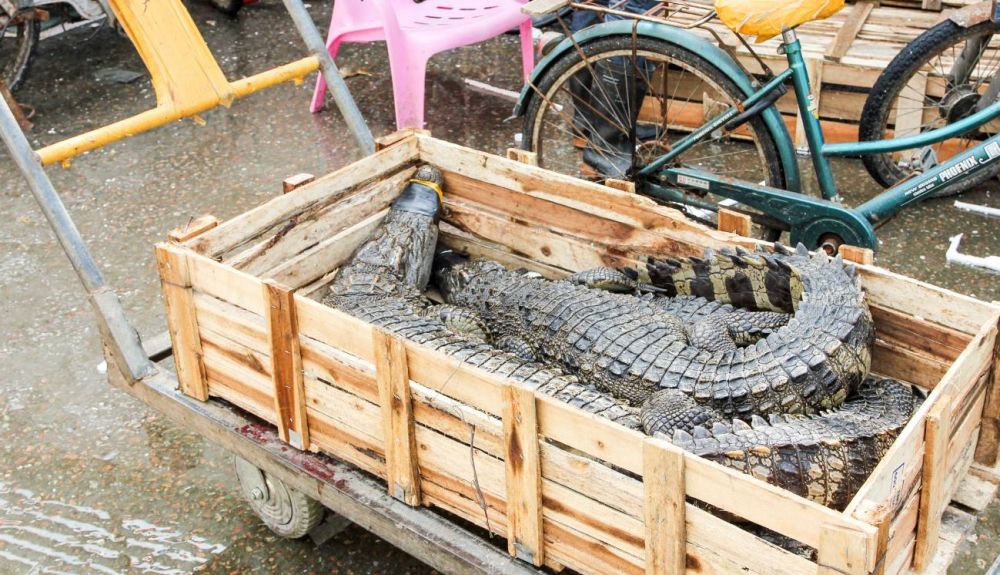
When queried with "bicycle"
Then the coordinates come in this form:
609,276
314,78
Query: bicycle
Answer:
629,93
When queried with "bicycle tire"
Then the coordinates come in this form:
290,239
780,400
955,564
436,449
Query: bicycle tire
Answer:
15,70
562,70
887,89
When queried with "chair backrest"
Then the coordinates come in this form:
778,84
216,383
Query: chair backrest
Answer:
357,14
447,13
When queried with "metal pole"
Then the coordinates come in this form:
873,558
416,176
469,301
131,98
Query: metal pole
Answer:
114,325
341,95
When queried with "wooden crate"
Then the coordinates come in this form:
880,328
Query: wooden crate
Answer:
565,487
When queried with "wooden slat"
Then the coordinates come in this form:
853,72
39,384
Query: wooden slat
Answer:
890,482
620,185
932,339
522,156
842,551
664,508
393,378
225,283
178,297
193,228
327,255
857,255
849,30
879,517
988,448
310,228
286,359
543,7
932,503
524,486
388,140
734,222
238,231
292,183
925,301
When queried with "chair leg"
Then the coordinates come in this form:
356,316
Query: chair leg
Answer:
408,77
527,49
319,92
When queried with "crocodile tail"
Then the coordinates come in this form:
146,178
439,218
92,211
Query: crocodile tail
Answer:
751,280
811,363
825,457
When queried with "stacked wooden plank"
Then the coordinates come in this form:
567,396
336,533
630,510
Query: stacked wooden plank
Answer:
932,5
845,55
566,488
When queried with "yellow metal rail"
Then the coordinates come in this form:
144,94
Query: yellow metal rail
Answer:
185,76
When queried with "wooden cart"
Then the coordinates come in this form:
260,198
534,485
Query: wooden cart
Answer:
565,488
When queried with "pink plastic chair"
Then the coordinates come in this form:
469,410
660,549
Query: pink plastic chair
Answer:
415,31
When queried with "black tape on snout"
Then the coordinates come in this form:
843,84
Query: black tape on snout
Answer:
418,198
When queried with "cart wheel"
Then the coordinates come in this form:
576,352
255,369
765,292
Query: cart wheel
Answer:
284,510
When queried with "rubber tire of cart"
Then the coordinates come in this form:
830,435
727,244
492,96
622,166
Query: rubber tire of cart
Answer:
874,116
285,511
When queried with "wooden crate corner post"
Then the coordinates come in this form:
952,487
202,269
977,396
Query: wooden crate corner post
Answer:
393,378
286,358
194,228
846,550
398,136
863,256
292,183
937,432
178,298
523,475
664,510
988,445
734,222
523,156
877,516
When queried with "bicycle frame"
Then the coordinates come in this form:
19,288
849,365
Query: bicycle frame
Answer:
812,220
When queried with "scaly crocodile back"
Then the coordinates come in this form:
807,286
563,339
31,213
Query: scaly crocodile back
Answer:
815,360
630,347
824,458
382,284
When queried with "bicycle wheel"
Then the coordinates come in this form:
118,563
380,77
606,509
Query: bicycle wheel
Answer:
18,38
938,79
612,105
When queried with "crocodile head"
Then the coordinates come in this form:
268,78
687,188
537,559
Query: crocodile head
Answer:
396,259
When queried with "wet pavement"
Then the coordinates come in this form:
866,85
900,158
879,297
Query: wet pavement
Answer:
91,481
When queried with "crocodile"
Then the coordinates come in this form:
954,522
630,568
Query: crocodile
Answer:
824,457
733,362
383,281
778,391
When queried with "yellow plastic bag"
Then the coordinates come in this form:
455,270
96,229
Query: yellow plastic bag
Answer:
765,19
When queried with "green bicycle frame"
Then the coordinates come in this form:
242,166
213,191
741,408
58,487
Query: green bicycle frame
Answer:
812,220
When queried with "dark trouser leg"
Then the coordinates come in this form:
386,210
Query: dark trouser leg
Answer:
616,96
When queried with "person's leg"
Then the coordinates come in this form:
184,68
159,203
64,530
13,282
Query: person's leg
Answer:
615,100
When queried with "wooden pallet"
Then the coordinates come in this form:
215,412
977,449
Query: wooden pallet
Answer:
566,488
845,54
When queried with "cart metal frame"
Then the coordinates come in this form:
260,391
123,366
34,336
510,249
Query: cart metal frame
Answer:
137,368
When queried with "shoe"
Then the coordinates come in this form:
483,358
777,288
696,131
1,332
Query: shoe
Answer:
614,90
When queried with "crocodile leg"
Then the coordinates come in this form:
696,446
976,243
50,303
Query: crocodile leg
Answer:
461,320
